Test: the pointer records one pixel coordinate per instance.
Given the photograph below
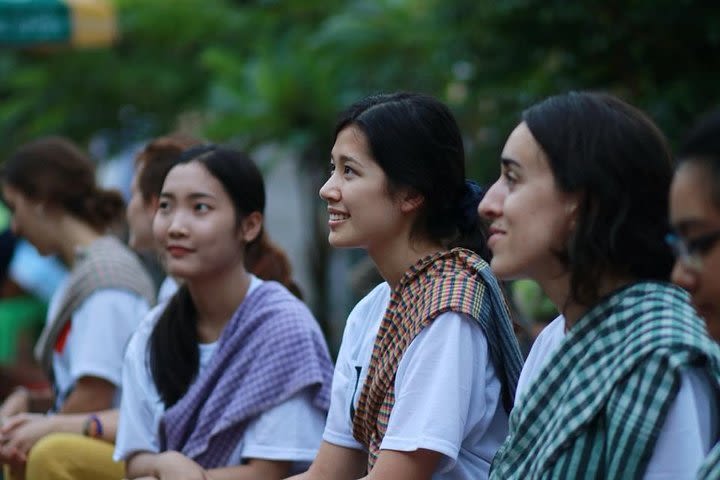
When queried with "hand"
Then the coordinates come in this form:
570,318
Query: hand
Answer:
176,466
20,432
17,402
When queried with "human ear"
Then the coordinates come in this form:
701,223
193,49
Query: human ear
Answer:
250,226
571,210
410,201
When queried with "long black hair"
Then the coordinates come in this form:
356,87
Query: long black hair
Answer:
619,161
416,141
174,356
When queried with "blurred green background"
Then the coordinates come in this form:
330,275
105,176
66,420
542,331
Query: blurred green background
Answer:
277,72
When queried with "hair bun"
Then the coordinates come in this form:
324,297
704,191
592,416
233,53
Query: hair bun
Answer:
467,210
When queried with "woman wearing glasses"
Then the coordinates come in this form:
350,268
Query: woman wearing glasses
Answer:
621,385
695,218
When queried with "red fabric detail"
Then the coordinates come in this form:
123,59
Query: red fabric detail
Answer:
62,338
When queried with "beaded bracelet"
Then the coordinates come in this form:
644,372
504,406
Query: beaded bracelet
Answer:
92,427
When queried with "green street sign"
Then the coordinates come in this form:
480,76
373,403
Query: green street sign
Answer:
25,23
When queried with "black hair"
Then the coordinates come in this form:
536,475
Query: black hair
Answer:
701,147
55,171
619,161
174,356
416,141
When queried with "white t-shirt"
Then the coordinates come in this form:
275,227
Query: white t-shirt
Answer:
447,395
690,430
167,289
95,344
291,431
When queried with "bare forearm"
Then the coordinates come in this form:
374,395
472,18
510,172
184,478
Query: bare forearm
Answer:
334,462
85,401
75,423
255,469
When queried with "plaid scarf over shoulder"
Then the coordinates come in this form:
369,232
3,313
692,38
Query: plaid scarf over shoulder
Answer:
105,263
271,349
597,408
458,281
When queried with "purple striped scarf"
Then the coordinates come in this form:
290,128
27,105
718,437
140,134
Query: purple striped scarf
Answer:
271,349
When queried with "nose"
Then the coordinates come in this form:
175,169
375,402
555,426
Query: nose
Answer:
684,277
491,205
330,191
177,224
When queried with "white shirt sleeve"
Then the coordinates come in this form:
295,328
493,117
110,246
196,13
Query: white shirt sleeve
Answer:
542,349
140,407
101,328
689,432
434,389
291,431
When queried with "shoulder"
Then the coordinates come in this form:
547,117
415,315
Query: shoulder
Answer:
282,312
658,318
451,330
378,295
551,335
139,340
110,306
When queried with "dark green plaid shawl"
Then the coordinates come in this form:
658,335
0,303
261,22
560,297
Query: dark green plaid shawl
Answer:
598,406
711,468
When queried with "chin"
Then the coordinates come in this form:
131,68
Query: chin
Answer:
337,241
502,270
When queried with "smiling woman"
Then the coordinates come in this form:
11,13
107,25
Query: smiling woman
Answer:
622,384
427,369
78,23
232,375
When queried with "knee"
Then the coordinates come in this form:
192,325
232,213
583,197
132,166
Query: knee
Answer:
46,456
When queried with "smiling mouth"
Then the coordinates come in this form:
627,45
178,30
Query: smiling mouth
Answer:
338,217
178,251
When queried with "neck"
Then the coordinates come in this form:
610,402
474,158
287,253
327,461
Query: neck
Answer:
559,293
216,298
74,234
394,259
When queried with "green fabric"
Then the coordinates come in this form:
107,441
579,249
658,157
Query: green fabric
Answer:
20,316
598,406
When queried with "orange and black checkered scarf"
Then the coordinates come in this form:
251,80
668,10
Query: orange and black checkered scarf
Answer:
452,281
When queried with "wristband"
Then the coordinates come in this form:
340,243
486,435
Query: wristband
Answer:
92,427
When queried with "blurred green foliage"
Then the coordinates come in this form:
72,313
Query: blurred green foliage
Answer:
264,70
258,71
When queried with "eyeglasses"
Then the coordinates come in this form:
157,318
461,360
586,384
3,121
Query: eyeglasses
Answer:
691,251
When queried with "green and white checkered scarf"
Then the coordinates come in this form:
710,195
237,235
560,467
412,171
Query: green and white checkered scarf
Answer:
598,406
711,468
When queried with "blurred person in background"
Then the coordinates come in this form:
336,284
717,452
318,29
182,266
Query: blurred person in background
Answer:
82,447
50,186
622,384
695,219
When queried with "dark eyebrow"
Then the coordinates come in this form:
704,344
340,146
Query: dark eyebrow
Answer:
347,159
509,162
686,225
192,196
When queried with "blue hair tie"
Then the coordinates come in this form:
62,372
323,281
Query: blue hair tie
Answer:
467,210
